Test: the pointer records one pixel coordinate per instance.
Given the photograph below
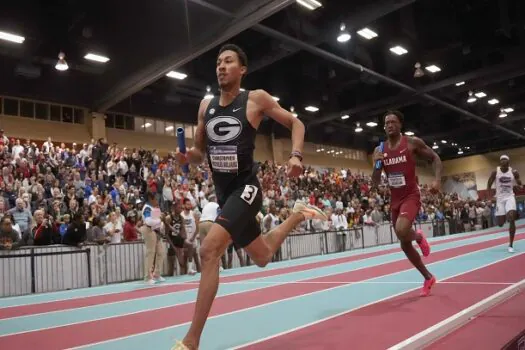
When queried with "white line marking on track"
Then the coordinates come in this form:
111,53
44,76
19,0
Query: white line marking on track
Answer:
308,294
370,282
363,306
455,321
277,267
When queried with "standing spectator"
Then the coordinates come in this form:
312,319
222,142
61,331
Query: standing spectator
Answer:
22,216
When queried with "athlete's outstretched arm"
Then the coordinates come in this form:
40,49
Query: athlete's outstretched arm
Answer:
422,149
195,155
376,174
491,180
272,109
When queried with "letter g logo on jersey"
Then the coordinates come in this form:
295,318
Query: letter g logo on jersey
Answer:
223,129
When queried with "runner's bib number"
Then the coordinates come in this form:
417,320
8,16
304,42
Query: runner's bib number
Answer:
224,159
396,180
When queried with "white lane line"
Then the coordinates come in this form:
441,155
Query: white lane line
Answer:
431,334
363,306
309,294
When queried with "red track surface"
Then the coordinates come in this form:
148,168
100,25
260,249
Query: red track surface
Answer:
149,292
491,330
387,323
100,330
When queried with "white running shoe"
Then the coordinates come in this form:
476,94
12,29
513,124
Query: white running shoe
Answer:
191,269
160,279
309,211
511,250
150,282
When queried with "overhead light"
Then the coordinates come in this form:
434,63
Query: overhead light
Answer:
358,128
147,125
12,37
398,50
471,98
318,150
346,116
493,101
460,151
96,58
444,142
460,83
344,36
292,109
480,94
367,33
169,128
418,73
508,110
467,148
502,115
241,89
177,75
454,144
61,64
371,124
433,68
208,95
409,133
276,98
435,146
310,4
312,109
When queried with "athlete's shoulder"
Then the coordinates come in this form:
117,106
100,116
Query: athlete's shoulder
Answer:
260,96
205,103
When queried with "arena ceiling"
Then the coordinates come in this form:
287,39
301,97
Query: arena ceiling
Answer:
294,53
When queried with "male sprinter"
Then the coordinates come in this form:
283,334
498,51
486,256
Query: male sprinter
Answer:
399,164
505,177
226,131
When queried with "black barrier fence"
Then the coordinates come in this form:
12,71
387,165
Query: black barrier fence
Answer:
36,270
43,269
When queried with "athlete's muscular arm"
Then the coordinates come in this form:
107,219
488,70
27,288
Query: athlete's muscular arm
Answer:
490,182
195,155
422,149
272,109
376,174
517,177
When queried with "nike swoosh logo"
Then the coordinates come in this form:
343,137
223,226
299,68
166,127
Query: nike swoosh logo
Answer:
235,110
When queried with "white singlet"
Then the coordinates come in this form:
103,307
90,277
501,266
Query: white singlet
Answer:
505,199
209,212
189,223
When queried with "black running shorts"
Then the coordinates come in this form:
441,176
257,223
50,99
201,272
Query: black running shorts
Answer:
238,211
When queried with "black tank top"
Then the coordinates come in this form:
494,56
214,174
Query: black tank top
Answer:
230,143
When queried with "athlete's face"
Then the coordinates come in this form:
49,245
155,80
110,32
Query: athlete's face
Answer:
504,163
392,125
229,68
187,205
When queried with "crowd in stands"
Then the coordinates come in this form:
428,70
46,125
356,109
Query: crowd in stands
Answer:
94,192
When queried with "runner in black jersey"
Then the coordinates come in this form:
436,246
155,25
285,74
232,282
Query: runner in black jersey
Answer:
225,132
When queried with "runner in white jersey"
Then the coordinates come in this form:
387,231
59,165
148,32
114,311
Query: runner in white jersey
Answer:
190,224
505,178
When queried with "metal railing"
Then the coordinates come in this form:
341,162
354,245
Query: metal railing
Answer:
51,268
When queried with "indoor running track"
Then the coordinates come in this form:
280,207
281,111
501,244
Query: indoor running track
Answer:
365,299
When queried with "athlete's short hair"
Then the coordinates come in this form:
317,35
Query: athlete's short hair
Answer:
398,114
240,53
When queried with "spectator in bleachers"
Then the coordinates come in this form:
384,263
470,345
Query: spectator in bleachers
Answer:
9,238
43,233
22,216
76,231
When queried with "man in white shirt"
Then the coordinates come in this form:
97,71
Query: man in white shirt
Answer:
150,231
505,178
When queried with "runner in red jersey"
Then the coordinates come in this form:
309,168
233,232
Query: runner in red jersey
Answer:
398,162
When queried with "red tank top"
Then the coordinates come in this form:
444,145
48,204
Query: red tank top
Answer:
400,167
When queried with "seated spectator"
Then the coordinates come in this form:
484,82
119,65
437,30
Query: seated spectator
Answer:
22,216
8,237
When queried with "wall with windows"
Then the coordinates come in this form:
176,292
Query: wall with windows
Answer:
38,120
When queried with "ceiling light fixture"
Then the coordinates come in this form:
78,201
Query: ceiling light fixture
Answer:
398,50
12,37
147,125
433,68
344,117
344,36
418,73
96,58
292,109
371,124
276,98
508,110
61,64
502,114
309,4
460,151
177,75
444,142
358,128
471,98
208,95
312,109
481,94
460,83
367,33
494,101
169,128
409,133
435,146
